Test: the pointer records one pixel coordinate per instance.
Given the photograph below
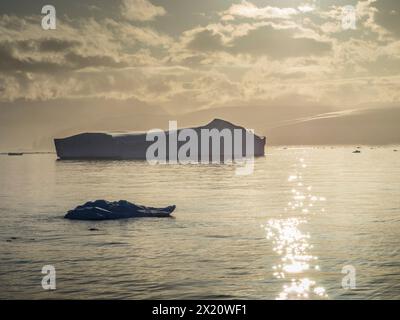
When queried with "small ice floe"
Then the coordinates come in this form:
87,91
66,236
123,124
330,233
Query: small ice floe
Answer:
106,210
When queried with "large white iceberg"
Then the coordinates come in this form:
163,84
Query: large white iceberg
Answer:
133,145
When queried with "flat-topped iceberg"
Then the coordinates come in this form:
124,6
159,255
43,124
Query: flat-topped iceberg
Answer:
222,138
106,210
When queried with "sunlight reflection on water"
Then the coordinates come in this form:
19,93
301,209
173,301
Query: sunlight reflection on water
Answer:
214,247
292,245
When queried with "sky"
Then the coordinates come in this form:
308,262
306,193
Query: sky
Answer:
126,58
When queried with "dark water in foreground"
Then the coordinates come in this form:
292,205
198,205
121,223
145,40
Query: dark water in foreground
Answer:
285,231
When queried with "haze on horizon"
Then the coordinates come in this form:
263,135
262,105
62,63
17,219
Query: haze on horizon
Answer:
275,66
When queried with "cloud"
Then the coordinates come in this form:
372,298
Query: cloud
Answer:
56,45
44,44
50,55
76,44
141,10
206,40
242,55
262,40
278,44
10,61
79,61
387,15
246,9
76,60
128,34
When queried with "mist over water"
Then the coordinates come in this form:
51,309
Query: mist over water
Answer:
284,232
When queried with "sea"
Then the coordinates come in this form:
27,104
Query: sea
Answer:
306,223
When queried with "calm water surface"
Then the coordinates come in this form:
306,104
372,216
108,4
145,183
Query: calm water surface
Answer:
284,232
